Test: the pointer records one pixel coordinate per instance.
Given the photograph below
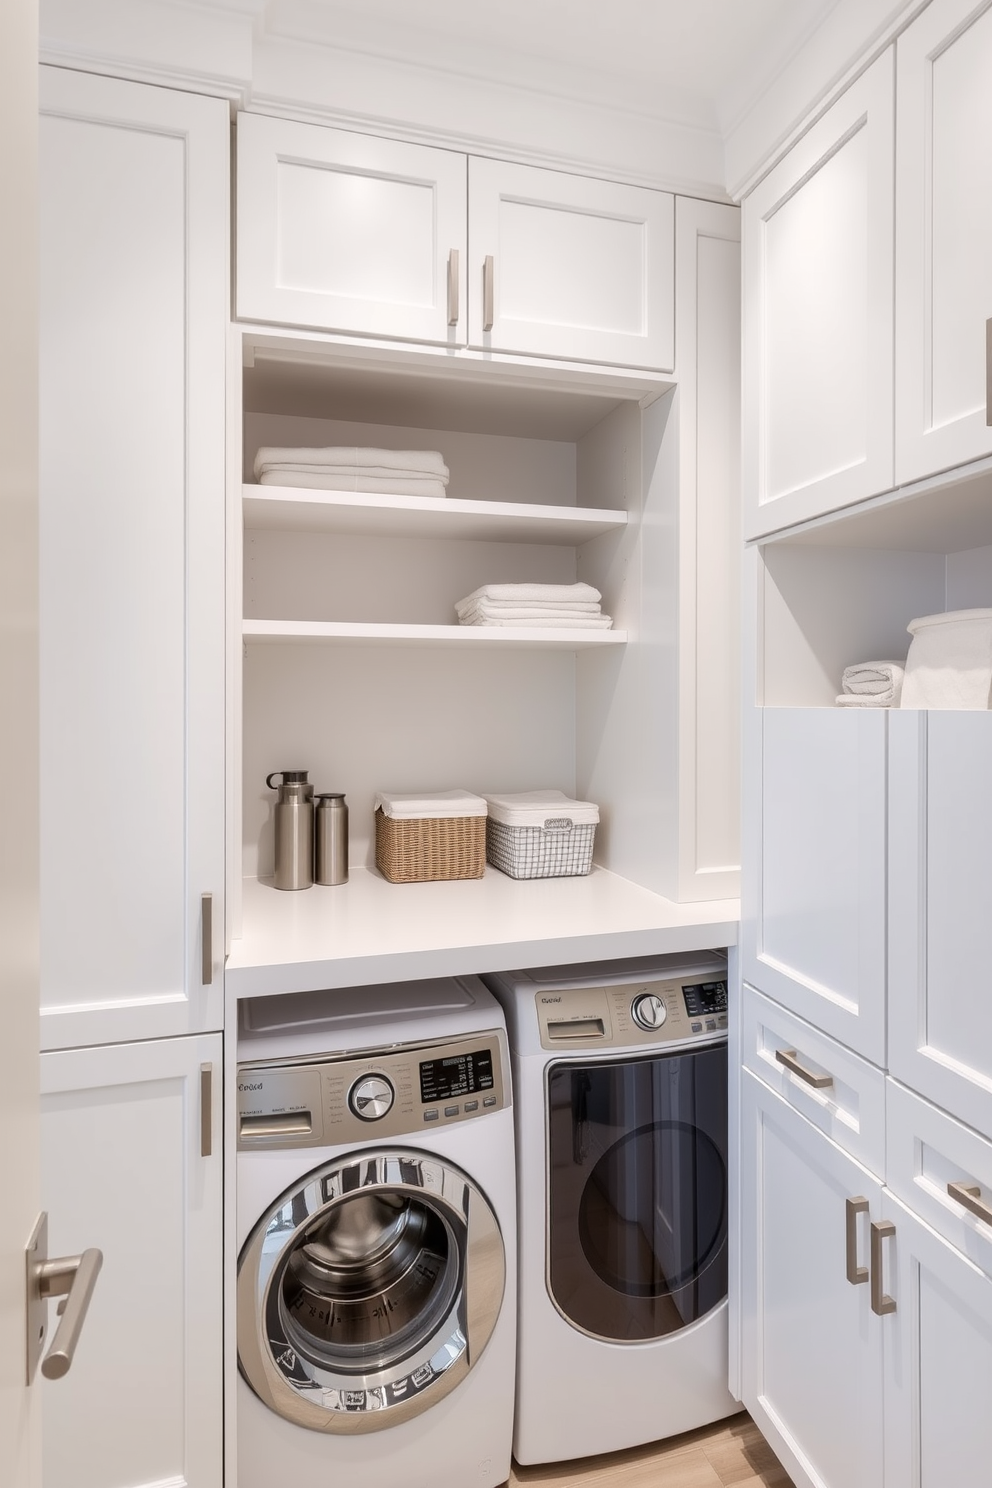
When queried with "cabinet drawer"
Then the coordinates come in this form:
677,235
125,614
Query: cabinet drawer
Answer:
926,1151
788,1054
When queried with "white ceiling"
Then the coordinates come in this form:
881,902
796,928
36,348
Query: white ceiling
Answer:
694,62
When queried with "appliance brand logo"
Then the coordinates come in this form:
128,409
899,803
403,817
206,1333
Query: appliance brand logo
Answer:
550,999
256,1086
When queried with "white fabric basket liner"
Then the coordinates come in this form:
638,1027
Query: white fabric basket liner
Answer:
550,809
409,806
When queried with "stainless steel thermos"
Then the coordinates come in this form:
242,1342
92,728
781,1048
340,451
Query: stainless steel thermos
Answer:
331,839
294,829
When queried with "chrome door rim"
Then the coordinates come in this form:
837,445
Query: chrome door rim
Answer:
348,1401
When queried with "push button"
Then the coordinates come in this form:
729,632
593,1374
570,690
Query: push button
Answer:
490,1100
697,1027
431,1116
451,1110
471,1105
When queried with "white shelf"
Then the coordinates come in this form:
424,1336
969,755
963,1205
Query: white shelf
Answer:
369,930
293,509
491,637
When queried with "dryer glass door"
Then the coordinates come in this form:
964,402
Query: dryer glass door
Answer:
637,1193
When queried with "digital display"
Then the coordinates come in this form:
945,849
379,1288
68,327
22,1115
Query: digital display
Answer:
705,997
459,1074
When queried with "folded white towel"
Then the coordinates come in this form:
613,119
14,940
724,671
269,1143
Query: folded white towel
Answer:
534,808
414,462
411,806
864,700
573,622
526,594
372,485
879,680
950,661
483,611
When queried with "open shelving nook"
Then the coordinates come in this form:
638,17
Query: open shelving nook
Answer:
352,665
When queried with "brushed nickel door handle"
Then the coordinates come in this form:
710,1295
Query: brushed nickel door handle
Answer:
207,939
488,294
70,1277
855,1274
453,308
969,1196
792,1064
881,1304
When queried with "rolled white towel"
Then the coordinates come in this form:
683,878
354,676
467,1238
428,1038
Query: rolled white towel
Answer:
414,462
879,680
527,594
371,485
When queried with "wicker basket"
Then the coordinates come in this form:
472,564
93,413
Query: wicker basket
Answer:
560,849
429,848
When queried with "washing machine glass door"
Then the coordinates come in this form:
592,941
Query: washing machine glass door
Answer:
637,1192
368,1291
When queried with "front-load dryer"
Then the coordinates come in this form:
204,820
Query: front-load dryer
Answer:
376,1234
620,1078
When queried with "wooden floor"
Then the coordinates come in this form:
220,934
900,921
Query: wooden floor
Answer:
731,1454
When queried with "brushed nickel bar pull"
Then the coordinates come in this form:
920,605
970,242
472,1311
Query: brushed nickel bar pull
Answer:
488,276
453,309
988,373
969,1195
881,1304
207,939
855,1274
788,1058
206,1110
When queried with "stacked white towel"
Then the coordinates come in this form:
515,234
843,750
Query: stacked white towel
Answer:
871,684
351,468
566,606
950,661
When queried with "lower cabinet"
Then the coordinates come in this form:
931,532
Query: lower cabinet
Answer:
131,1164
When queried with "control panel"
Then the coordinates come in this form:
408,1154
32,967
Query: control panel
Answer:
632,1013
396,1092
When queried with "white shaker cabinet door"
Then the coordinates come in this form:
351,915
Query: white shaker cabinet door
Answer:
566,266
349,232
943,237
940,1035
938,1348
813,928
134,276
812,1348
124,1129
817,235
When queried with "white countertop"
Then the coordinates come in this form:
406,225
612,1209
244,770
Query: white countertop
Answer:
369,930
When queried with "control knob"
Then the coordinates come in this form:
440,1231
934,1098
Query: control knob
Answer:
371,1097
649,1011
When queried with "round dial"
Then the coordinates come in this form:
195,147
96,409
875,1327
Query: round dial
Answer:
371,1097
648,1011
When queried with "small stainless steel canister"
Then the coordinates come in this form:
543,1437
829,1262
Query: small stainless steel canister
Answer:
294,829
331,839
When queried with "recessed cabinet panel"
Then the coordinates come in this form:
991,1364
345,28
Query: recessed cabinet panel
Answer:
817,942
943,238
818,318
565,266
941,889
349,231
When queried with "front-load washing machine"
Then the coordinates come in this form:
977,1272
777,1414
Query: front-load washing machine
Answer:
376,1233
620,1074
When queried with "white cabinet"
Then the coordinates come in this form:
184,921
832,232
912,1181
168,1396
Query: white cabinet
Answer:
812,1346
376,237
943,237
349,231
570,267
817,235
814,936
123,1133
940,810
134,246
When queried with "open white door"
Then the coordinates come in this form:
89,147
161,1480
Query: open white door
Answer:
20,1465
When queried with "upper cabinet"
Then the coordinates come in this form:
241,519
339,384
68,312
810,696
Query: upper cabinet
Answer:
356,234
943,237
349,232
817,233
134,295
570,267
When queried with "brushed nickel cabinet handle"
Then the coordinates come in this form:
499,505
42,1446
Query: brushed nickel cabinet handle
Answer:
788,1058
206,1109
453,310
207,938
969,1196
855,1274
488,276
70,1277
881,1304
988,373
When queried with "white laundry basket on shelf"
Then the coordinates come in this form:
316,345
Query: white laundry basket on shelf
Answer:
540,834
950,661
